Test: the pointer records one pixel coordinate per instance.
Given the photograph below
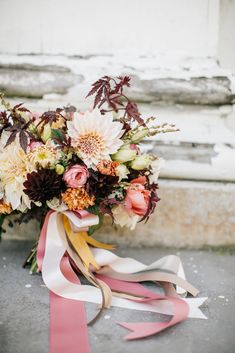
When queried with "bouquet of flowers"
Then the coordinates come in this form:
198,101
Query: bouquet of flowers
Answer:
77,167
66,159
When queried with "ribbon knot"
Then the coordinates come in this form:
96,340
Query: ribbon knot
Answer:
80,240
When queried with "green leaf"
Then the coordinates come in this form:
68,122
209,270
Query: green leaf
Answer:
57,134
94,209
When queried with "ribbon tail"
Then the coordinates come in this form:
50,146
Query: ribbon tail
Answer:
194,307
145,329
83,250
142,330
68,327
96,243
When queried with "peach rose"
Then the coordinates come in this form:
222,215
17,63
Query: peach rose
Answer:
137,197
76,176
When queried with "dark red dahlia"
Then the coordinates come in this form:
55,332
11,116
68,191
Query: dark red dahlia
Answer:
43,185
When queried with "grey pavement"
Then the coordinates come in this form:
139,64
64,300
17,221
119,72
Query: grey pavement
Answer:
24,307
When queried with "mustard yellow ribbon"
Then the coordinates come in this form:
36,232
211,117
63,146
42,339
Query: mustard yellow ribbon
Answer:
80,241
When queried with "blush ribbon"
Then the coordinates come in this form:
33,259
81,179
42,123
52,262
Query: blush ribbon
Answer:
110,272
141,330
68,324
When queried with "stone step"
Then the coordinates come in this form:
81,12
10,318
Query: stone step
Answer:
167,78
191,214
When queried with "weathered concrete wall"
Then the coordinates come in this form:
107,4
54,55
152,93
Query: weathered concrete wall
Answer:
77,27
194,90
34,81
226,40
13,230
154,78
190,214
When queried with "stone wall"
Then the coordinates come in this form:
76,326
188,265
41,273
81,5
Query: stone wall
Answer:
190,214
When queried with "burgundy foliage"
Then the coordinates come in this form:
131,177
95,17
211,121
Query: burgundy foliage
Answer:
110,91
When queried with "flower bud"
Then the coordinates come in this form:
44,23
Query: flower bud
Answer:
141,162
56,205
59,169
139,135
46,134
125,154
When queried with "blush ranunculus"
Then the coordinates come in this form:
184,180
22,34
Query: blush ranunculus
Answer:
137,197
76,176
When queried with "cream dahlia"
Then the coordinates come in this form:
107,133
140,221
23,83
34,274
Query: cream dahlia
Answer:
94,136
43,155
13,171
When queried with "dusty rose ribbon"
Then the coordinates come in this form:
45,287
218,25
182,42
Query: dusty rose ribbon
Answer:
68,323
145,329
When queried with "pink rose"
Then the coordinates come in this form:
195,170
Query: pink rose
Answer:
76,176
137,197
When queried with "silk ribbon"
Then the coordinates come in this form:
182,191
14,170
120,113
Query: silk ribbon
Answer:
114,279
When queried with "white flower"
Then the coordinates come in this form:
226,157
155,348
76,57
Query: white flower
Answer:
122,218
94,136
122,171
156,166
13,171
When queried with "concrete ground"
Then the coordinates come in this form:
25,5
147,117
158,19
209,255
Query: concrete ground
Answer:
24,307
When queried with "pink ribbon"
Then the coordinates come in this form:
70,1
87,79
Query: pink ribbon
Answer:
68,324
42,241
145,329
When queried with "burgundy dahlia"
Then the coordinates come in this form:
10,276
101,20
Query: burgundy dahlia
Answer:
43,185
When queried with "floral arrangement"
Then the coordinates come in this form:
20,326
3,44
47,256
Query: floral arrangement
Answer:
68,169
66,159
